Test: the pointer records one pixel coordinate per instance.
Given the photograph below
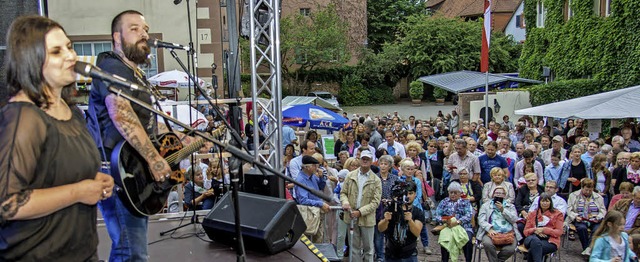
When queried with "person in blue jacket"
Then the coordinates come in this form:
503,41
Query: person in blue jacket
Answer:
610,242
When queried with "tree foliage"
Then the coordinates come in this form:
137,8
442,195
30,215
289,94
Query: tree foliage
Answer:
384,18
437,44
309,43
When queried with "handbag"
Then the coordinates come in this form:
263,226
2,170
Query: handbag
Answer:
503,239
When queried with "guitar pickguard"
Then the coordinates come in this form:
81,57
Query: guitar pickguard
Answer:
169,143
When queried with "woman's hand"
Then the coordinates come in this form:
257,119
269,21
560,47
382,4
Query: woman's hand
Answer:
499,206
106,180
492,232
90,191
572,179
539,230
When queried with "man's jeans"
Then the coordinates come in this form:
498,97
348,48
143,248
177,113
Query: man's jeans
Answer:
128,233
378,239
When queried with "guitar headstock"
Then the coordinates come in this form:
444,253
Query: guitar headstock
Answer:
219,130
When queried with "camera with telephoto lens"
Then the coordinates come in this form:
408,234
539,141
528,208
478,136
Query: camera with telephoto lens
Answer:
397,206
399,193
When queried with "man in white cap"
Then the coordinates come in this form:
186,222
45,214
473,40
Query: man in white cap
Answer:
360,196
556,145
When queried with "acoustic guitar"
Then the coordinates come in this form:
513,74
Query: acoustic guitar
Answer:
136,187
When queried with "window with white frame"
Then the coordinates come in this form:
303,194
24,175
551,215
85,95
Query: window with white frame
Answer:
607,8
569,10
540,14
97,47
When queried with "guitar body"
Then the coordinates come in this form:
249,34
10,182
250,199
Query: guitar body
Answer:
138,190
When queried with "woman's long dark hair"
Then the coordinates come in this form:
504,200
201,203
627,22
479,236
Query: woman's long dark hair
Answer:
25,58
544,196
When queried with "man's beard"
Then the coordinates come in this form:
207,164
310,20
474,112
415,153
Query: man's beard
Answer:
138,55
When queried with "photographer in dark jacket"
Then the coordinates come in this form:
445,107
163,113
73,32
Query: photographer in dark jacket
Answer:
402,224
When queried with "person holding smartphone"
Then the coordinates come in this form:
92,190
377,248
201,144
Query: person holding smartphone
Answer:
498,217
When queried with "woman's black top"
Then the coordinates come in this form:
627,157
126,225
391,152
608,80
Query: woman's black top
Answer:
37,152
523,202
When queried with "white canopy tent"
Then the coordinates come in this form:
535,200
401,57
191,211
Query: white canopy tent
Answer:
301,100
622,103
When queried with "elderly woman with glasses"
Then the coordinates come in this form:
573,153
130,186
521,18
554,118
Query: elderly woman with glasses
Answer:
498,179
453,211
196,196
585,210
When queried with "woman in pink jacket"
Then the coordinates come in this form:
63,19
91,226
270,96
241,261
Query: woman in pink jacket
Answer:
543,229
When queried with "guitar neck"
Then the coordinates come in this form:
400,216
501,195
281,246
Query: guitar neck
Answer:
176,157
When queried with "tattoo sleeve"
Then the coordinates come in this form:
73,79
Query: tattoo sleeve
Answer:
185,139
129,126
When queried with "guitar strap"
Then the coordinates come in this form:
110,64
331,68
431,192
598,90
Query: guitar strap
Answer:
94,129
153,91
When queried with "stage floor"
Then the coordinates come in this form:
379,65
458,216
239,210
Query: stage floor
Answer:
185,245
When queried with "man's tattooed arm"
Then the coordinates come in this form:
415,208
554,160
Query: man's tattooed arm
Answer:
127,123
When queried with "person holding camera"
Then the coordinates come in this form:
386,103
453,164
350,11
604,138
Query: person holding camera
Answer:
402,224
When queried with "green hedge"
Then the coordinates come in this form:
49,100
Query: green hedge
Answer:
563,90
586,45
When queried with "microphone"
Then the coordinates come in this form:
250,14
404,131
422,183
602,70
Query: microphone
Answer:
92,71
160,44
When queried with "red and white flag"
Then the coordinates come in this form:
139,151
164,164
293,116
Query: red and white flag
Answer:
486,37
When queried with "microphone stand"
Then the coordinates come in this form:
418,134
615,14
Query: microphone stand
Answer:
231,149
191,65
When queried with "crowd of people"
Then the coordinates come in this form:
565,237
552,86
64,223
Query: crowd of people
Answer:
526,183
506,184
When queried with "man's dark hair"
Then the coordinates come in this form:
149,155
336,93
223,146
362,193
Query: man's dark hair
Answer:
411,186
116,23
303,146
492,143
364,136
527,153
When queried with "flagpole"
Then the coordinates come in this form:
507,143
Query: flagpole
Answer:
484,57
486,98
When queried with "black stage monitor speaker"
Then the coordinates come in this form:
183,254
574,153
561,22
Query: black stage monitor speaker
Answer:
269,224
256,182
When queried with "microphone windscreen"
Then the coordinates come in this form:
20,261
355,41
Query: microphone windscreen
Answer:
151,42
82,68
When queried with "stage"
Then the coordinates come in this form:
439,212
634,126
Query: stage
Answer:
185,245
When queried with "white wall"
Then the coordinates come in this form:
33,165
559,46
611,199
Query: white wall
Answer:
509,102
518,34
85,18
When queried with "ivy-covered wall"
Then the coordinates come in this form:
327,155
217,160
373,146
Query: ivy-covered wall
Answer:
587,45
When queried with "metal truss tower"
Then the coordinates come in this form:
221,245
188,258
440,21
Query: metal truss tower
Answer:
266,80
